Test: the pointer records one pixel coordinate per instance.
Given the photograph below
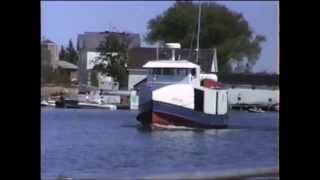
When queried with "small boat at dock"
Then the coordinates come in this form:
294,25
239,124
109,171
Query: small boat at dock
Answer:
95,106
255,110
276,107
67,103
74,103
45,103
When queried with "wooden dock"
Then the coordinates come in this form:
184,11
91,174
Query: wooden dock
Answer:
270,173
255,173
265,107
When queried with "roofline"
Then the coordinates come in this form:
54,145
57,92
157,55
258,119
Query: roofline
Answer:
104,33
137,69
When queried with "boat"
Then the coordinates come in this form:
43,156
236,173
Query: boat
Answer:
255,110
67,103
44,103
176,94
51,103
97,106
276,107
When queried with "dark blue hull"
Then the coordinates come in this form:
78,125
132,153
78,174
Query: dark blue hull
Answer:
155,112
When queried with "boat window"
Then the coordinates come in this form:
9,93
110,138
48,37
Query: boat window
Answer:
156,71
168,71
193,72
181,72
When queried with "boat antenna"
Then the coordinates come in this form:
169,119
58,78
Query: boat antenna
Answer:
193,37
173,47
157,51
198,33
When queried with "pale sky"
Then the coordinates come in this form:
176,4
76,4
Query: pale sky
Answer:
64,20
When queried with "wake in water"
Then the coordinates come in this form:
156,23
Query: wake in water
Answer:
158,127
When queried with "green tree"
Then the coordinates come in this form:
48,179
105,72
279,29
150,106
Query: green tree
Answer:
94,78
226,30
113,58
62,54
69,54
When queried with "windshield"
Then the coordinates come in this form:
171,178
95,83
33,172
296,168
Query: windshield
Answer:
170,71
169,75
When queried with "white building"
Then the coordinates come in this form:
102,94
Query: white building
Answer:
88,43
53,49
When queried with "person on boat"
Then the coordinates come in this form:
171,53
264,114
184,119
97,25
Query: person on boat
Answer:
190,77
101,97
61,98
60,102
87,96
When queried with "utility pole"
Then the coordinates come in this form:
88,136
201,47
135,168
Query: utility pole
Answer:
198,33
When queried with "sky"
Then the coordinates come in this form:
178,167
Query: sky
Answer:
64,20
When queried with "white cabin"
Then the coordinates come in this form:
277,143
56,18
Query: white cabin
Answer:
173,72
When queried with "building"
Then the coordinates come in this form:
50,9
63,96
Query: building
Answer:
50,53
68,70
247,88
52,66
88,43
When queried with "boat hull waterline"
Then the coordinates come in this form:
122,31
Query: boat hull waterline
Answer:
168,116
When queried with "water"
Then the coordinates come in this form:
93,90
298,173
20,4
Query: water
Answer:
109,144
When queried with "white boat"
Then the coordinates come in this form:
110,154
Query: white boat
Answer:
51,103
48,103
94,105
44,103
256,110
173,96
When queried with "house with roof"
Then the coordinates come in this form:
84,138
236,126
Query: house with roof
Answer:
69,70
87,44
51,51
50,61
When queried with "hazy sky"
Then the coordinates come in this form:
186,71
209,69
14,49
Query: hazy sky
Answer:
64,20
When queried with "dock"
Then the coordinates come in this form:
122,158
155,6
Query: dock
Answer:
265,107
255,173
84,105
270,173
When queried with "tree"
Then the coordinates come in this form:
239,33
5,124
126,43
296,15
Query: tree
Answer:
94,79
113,57
62,54
221,28
69,54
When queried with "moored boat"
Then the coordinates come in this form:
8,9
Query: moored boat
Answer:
67,103
255,110
97,106
44,103
276,107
